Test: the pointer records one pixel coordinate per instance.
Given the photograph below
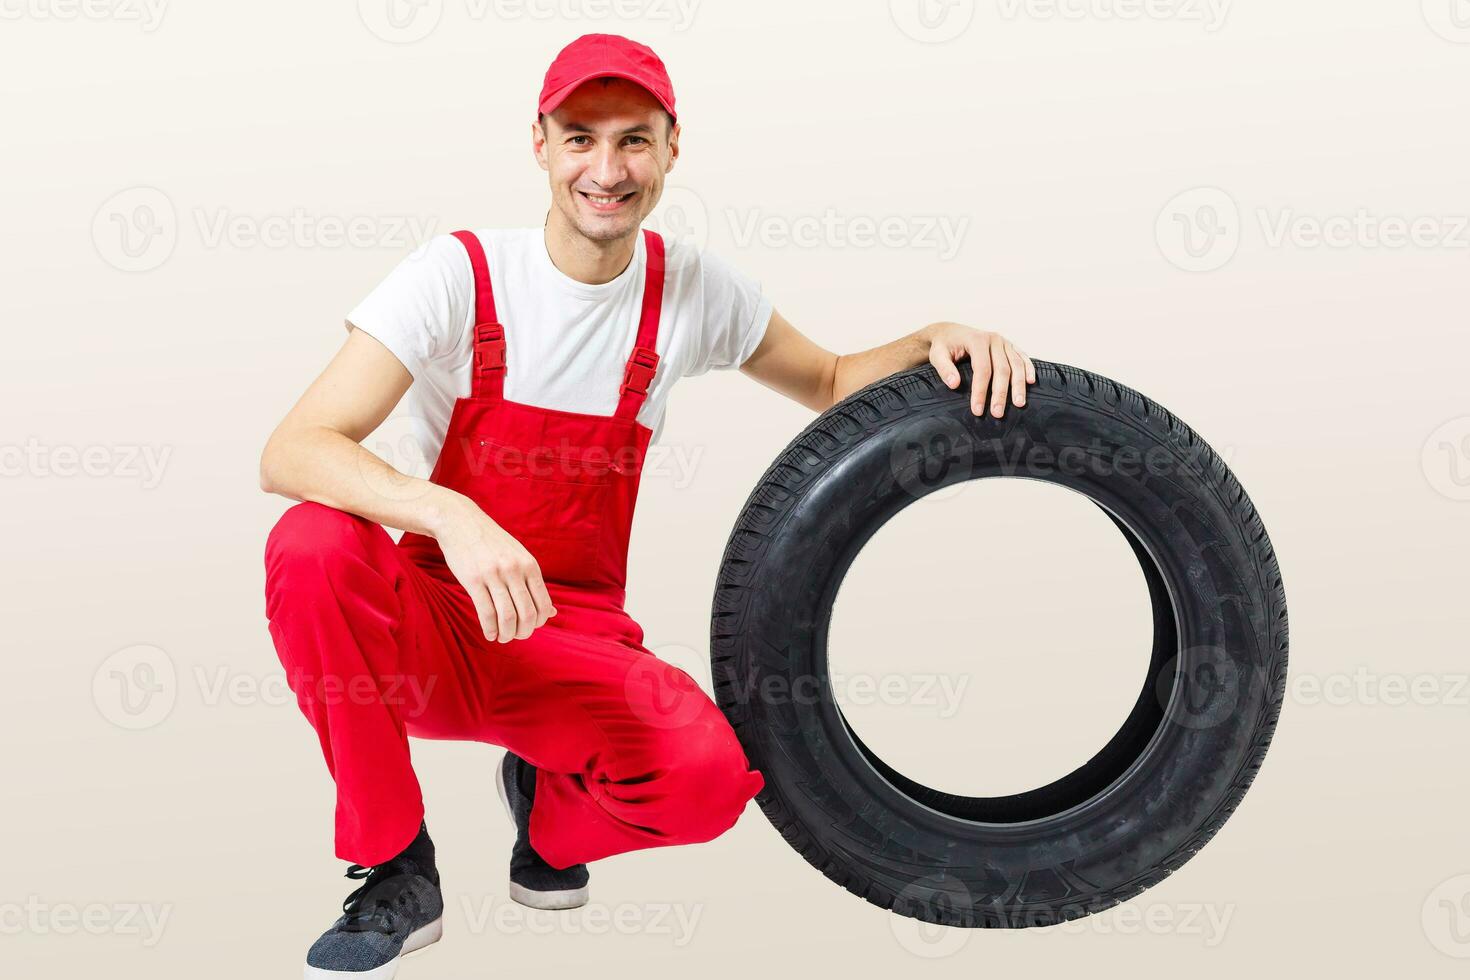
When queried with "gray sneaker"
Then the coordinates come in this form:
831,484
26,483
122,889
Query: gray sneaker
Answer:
534,883
396,910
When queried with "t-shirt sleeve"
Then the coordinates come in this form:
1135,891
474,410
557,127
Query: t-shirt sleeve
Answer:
735,315
421,309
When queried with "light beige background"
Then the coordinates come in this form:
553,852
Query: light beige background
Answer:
1059,140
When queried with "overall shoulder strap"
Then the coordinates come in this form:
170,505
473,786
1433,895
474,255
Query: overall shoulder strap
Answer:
487,369
643,362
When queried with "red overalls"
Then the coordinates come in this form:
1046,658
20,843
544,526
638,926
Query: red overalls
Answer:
380,641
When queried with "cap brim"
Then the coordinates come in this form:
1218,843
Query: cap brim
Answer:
556,98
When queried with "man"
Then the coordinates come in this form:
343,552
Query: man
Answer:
499,615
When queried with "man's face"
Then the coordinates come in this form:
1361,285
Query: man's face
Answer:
606,150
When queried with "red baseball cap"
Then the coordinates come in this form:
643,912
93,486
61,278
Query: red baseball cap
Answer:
605,56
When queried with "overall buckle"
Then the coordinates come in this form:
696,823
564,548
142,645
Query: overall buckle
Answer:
640,371
489,348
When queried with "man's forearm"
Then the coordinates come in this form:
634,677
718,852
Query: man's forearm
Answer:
319,464
854,371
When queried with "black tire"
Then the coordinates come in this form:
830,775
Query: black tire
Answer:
1150,798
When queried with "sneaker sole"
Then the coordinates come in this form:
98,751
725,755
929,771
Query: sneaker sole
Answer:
569,898
418,939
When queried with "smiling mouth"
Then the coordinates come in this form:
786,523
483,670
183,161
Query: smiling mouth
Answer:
607,202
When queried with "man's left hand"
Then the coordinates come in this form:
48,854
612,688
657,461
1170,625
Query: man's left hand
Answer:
994,358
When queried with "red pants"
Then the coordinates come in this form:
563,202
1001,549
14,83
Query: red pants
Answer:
630,752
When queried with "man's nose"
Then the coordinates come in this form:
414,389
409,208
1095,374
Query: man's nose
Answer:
608,169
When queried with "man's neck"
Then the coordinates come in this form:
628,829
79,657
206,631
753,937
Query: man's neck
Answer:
583,259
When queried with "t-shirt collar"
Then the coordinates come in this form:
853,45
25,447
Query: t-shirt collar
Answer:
587,290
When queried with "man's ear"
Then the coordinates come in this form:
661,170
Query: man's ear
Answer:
673,147
538,144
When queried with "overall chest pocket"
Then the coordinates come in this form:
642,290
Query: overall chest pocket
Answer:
553,501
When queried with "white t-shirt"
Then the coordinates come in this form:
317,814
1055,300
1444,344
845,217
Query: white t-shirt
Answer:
567,342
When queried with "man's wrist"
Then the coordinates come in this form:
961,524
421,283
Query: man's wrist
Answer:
440,506
925,335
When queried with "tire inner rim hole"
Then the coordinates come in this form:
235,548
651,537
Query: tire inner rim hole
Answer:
995,649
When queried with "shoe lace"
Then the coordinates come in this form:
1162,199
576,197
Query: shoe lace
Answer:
384,889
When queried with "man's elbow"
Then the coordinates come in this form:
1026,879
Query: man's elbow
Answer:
267,474
272,464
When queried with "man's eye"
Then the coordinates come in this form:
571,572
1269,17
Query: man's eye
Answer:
636,139
574,139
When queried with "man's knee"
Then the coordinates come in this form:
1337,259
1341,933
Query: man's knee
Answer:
313,535
707,777
317,559
314,548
